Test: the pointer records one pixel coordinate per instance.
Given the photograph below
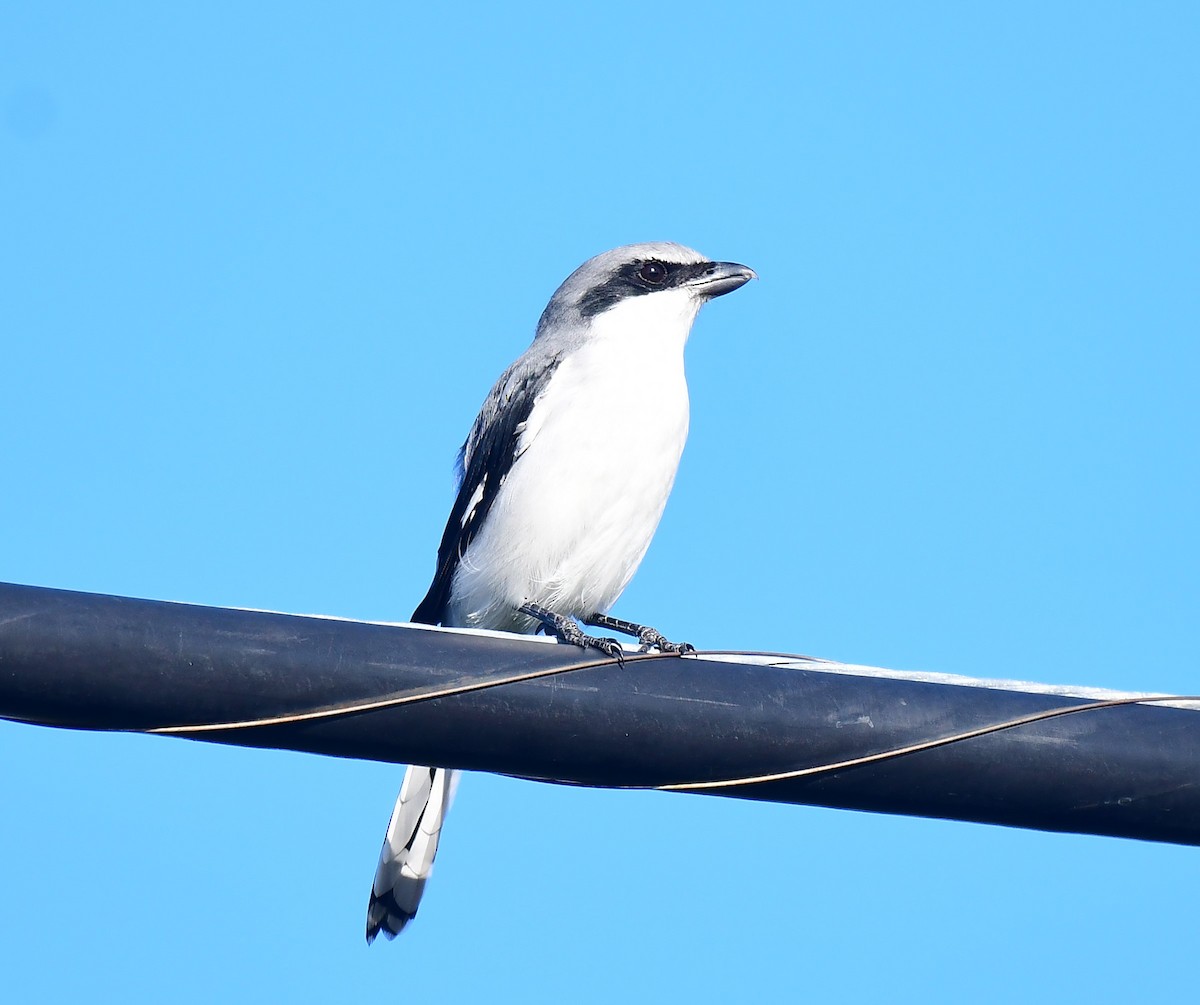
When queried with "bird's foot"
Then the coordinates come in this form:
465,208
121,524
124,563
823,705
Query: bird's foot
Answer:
567,631
650,638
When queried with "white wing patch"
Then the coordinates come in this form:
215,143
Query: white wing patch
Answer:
476,498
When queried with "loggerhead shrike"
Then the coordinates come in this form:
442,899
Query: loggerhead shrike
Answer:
562,482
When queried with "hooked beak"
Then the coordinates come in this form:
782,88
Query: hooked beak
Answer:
718,278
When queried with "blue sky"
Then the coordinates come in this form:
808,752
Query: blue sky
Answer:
260,265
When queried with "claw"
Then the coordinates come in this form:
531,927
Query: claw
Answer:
610,647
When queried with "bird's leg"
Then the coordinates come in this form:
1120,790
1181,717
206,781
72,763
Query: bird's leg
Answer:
650,638
566,630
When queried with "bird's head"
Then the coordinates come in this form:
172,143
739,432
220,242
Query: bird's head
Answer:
657,284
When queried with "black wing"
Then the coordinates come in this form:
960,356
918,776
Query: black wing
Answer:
495,437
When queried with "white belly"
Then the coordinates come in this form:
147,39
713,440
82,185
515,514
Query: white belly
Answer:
578,509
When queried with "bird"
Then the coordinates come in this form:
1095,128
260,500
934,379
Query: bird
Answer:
562,481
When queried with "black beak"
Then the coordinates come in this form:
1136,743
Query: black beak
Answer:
719,278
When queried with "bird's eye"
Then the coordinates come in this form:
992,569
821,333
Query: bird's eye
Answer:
654,273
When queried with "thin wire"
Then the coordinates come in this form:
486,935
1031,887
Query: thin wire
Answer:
913,748
407,697
485,683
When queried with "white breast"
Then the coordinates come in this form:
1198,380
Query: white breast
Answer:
597,461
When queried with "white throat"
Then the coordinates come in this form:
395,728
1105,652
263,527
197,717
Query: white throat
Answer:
648,324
